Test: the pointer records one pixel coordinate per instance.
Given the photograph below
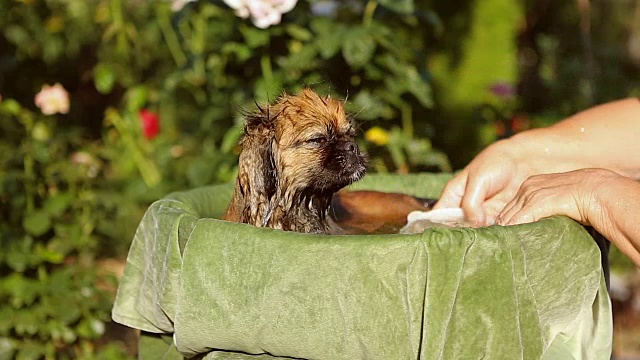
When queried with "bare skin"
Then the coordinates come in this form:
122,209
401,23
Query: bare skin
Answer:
533,175
601,198
606,136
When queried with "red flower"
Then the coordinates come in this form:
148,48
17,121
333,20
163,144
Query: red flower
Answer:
150,123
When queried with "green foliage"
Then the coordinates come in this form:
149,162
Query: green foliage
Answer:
55,303
73,186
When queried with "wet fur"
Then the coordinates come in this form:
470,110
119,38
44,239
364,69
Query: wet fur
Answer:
295,155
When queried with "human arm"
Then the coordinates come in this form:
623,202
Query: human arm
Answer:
605,136
603,199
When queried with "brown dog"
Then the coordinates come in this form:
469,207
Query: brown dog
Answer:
295,155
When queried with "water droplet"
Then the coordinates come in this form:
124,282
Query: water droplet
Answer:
581,129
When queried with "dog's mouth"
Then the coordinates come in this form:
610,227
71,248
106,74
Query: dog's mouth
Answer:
355,167
344,164
351,167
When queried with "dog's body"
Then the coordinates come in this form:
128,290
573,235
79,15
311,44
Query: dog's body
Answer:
295,155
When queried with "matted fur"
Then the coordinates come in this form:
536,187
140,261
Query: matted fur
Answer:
295,155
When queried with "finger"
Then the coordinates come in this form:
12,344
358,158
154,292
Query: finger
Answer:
453,192
496,204
492,210
507,213
512,207
474,196
525,215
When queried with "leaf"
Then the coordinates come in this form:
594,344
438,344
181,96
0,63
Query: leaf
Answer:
8,348
417,86
17,35
329,36
10,106
266,91
57,204
368,107
90,328
254,37
37,223
299,33
21,290
399,6
30,350
104,78
359,47
303,59
45,254
231,138
136,97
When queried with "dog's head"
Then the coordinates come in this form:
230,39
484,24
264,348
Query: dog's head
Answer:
303,146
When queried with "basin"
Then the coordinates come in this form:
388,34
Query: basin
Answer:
197,285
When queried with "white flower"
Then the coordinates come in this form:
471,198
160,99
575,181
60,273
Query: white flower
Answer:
177,5
52,99
263,13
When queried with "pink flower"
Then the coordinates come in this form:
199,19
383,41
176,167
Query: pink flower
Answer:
52,99
264,13
150,123
502,90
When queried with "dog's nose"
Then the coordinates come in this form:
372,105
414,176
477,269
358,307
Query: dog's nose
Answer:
349,146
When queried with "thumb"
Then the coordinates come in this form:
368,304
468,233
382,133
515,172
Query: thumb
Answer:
475,194
453,192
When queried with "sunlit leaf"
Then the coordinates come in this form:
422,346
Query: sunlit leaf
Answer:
37,223
137,97
104,78
298,32
57,204
367,107
8,348
254,37
359,47
230,139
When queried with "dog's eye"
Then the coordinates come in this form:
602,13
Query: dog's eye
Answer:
317,140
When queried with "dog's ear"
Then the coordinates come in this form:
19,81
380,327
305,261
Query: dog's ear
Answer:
257,173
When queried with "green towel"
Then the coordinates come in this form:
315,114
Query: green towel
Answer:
198,285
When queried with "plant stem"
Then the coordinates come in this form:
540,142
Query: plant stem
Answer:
148,170
29,164
407,120
118,23
369,10
170,36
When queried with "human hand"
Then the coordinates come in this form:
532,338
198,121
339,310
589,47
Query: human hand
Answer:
601,198
488,183
575,194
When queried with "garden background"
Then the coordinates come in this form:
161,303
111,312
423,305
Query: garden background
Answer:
108,105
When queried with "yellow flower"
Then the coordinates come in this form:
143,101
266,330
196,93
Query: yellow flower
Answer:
377,135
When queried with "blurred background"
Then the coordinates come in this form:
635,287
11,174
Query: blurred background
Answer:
108,105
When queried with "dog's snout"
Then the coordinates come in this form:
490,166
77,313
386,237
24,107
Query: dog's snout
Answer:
349,146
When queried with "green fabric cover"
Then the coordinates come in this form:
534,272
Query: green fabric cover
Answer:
198,285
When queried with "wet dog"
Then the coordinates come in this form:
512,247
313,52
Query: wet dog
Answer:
296,154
